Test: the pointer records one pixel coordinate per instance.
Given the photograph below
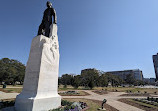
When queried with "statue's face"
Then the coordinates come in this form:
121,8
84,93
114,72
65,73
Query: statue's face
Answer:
49,5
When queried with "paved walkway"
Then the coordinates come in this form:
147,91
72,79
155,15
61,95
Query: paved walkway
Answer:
112,99
7,95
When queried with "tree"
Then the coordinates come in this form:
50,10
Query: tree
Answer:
102,81
11,71
91,84
89,75
76,82
90,78
115,80
139,82
130,79
67,79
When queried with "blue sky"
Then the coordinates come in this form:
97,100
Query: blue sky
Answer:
108,35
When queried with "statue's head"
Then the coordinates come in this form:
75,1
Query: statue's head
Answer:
49,4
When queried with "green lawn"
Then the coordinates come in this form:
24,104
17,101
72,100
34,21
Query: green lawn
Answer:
12,86
18,89
11,90
132,89
80,93
92,105
143,104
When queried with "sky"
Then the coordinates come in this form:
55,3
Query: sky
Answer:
108,35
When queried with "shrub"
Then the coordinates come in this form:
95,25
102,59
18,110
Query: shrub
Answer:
67,108
152,99
86,88
91,84
4,104
148,98
157,100
65,102
145,92
65,86
155,92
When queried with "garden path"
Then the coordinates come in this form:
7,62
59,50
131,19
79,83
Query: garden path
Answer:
112,99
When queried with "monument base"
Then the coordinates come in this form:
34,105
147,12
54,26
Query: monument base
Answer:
40,89
37,104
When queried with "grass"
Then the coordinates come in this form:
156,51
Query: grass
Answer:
7,103
69,87
144,104
80,93
132,89
92,105
138,104
11,90
12,86
83,93
121,89
18,88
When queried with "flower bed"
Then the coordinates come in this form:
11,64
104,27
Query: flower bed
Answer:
71,106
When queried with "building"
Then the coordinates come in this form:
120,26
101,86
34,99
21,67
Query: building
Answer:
137,74
146,80
149,80
152,80
155,61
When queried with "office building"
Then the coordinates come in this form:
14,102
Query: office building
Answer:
137,74
155,61
149,80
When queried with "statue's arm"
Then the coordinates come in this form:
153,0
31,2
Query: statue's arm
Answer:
55,16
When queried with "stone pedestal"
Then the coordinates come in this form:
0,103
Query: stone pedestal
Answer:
40,90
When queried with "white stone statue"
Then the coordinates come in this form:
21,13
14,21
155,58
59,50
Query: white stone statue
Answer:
40,90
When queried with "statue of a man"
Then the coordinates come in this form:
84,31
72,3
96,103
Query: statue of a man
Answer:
44,28
102,105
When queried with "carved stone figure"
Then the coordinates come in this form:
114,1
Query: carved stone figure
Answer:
102,105
44,28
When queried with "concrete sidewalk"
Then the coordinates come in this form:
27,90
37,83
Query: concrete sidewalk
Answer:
112,99
7,95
